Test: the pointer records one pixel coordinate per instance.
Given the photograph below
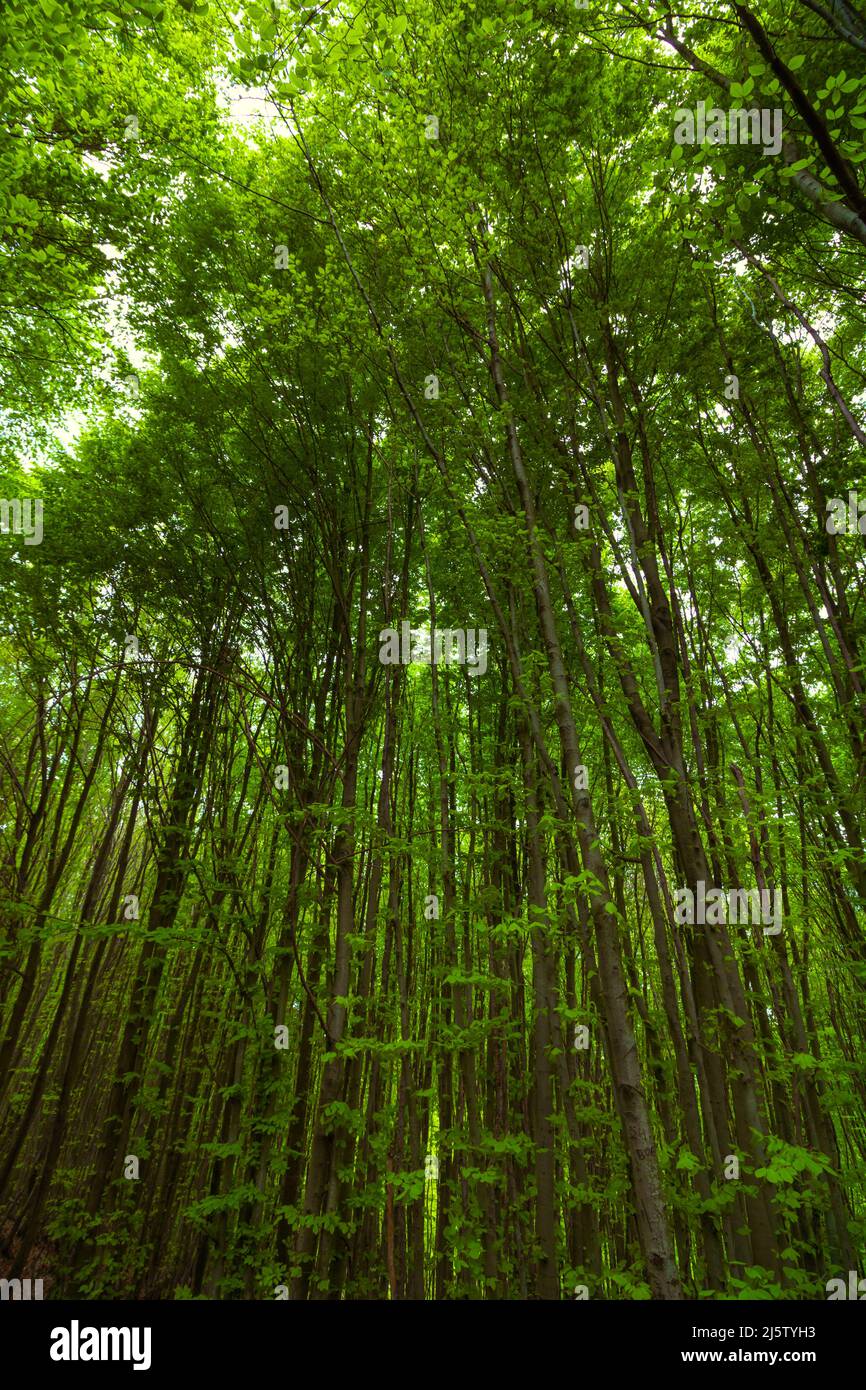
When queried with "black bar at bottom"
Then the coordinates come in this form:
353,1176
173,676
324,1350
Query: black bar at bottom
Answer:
63,1339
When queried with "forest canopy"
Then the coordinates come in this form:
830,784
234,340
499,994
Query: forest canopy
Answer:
432,742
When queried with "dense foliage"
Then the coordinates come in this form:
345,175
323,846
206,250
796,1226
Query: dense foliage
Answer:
328,970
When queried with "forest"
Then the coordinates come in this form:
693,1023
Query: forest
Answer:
432,740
